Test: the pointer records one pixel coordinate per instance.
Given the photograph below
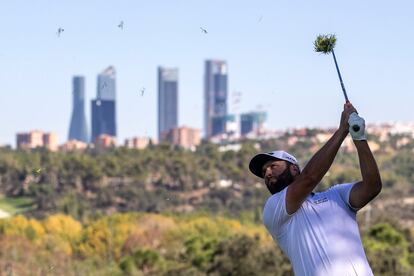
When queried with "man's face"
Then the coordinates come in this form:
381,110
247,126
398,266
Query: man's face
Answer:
277,175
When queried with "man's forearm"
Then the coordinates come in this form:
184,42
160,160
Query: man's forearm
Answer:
369,170
320,163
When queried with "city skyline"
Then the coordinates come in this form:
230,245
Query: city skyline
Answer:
267,45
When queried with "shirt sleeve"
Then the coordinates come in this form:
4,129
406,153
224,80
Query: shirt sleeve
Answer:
344,190
275,214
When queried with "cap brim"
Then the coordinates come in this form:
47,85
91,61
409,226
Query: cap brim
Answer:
257,162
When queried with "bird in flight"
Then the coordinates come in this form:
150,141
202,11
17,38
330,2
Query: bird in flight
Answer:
203,30
121,25
37,171
59,31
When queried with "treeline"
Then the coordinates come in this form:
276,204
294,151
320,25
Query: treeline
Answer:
156,179
162,244
69,228
166,178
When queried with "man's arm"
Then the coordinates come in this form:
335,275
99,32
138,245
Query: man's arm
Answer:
317,166
370,186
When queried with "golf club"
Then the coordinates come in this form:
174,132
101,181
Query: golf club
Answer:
325,44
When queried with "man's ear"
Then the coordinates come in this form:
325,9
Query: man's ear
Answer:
294,170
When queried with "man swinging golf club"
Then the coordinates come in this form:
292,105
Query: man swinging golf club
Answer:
318,231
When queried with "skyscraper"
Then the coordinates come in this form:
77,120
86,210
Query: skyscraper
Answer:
78,129
104,106
215,95
167,100
252,122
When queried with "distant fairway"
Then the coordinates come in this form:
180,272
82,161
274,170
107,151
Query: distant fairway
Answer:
10,206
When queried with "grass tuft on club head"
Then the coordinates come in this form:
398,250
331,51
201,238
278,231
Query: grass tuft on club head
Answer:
324,43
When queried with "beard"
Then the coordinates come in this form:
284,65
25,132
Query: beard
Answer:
284,179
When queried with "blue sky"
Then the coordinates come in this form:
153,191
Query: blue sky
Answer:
267,44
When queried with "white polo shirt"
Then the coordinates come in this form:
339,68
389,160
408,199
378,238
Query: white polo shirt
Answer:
322,237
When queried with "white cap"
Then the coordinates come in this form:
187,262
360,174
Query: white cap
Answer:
257,162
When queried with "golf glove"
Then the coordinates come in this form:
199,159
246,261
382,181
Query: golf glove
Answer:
356,127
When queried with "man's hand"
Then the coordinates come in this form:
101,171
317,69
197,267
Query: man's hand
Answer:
356,121
348,110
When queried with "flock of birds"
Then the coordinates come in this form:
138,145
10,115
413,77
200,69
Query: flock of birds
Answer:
121,26
142,91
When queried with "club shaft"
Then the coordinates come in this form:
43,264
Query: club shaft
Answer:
340,78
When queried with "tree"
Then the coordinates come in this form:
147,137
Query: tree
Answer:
387,250
243,255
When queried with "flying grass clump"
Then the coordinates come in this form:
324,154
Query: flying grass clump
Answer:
324,43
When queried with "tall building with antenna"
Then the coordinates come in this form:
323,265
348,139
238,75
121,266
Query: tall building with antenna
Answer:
104,106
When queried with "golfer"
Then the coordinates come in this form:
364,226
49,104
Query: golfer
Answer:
318,231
